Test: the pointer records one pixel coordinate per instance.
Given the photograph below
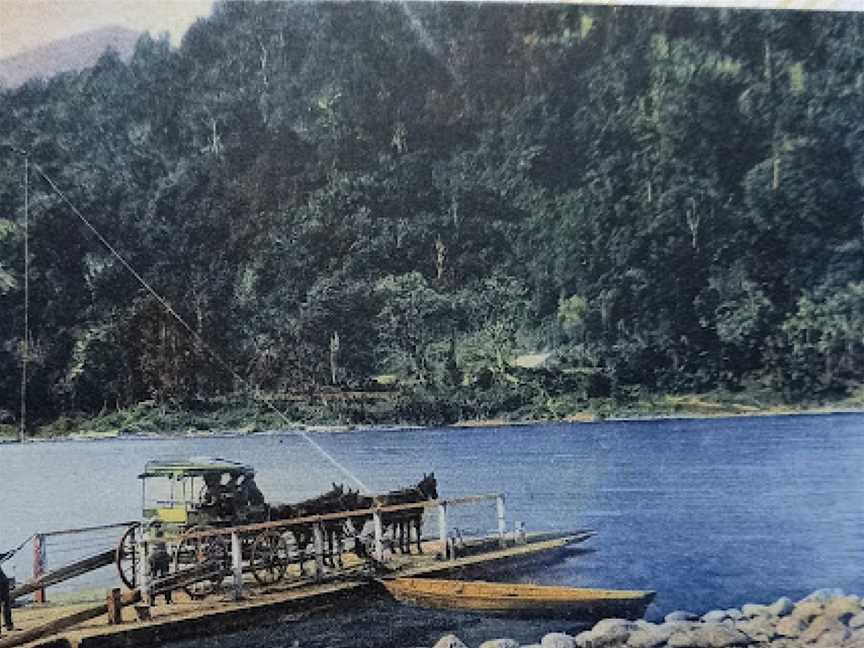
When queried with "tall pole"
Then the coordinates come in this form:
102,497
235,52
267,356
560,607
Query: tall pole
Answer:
25,347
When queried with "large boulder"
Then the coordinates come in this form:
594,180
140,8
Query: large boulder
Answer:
822,627
712,635
614,625
807,610
752,610
644,639
608,632
680,615
790,627
784,643
715,616
651,635
833,639
558,640
759,629
781,607
500,643
842,608
734,614
856,622
824,595
450,641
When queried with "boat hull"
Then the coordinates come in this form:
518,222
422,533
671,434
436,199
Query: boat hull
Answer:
519,599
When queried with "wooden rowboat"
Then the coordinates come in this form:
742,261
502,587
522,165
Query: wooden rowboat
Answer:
520,599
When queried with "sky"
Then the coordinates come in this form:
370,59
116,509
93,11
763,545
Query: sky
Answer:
27,24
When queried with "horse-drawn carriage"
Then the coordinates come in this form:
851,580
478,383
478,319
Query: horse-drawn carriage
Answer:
183,498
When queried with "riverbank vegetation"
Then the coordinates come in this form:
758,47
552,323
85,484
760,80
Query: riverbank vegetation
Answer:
428,213
265,414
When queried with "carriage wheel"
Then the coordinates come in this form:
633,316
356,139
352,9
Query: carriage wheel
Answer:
269,557
126,558
209,553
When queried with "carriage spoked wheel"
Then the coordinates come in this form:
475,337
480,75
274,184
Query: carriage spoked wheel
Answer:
126,558
270,557
211,555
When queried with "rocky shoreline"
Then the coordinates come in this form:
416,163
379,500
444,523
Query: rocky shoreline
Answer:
824,619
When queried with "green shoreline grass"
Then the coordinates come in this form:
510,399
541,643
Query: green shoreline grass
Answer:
376,410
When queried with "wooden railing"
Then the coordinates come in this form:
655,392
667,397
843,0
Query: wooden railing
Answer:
103,555
89,529
342,515
87,555
375,513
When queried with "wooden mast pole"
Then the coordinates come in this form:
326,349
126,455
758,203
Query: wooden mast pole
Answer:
25,347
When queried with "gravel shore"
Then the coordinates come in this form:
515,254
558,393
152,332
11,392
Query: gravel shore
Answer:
824,619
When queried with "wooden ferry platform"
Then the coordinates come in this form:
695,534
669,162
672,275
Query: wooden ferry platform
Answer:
297,597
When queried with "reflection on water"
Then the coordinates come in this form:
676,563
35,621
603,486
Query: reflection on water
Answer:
708,513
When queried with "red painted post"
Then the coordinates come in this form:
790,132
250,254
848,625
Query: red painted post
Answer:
39,566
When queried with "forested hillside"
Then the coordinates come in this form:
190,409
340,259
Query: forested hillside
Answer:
329,193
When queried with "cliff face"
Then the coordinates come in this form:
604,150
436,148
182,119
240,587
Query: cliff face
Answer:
73,53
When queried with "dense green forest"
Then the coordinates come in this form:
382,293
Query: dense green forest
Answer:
406,197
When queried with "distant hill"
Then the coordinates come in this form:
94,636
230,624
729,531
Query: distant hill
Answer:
73,53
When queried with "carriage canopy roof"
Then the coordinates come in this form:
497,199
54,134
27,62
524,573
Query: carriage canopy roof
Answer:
194,467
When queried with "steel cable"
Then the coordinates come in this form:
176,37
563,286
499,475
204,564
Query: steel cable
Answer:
213,354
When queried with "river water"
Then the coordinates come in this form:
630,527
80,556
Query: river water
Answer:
709,513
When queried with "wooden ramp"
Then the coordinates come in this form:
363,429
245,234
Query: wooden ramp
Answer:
187,619
68,572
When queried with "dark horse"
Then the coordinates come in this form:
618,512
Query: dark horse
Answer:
402,521
333,501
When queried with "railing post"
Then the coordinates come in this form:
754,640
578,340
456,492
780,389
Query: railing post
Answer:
379,536
502,520
115,609
318,536
442,530
143,570
39,565
237,565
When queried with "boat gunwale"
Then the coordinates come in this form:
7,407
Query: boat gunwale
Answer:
498,591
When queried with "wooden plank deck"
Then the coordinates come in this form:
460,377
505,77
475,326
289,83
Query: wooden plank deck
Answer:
187,619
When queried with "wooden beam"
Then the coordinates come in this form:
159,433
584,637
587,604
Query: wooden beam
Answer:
442,530
502,521
65,573
379,536
318,537
112,602
39,566
190,576
340,515
101,527
237,566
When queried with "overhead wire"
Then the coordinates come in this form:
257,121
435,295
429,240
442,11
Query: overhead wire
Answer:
200,340
9,554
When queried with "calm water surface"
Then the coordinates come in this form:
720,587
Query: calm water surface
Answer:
709,513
